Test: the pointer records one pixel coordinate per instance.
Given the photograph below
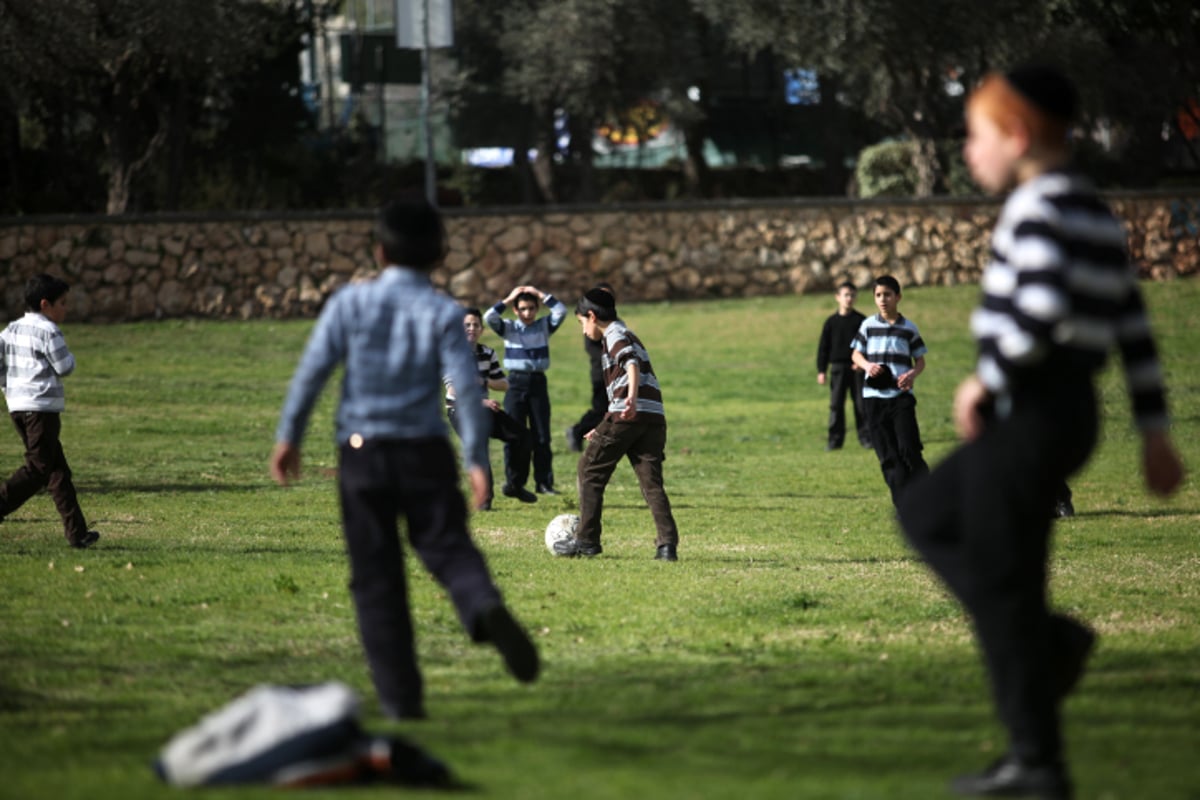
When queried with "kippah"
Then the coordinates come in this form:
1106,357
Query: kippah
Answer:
1048,89
599,297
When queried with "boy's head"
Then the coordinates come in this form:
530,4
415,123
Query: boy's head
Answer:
1015,120
47,295
473,324
526,305
409,232
845,294
595,310
887,295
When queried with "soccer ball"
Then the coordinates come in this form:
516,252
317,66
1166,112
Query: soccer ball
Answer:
561,528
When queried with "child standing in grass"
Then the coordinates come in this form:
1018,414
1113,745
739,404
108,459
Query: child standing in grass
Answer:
834,367
397,337
1058,294
33,360
889,350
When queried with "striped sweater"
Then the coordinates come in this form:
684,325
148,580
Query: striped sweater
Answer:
33,359
622,347
1060,292
527,347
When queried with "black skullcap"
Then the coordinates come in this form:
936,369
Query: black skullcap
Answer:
1047,88
601,298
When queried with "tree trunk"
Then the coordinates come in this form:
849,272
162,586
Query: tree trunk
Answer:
925,163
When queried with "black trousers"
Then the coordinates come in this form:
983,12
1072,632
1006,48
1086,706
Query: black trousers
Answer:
843,380
591,418
45,467
418,480
982,521
505,429
528,402
896,438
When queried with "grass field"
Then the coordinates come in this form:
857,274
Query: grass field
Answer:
797,649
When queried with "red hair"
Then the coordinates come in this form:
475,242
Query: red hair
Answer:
996,99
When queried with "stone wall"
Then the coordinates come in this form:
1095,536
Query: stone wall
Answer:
255,265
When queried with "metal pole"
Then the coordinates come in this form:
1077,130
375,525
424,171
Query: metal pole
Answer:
426,92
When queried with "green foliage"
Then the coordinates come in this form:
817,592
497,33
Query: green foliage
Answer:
886,170
797,649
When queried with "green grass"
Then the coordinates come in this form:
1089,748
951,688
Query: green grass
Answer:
797,650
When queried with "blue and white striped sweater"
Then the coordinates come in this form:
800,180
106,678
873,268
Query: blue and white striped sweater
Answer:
527,347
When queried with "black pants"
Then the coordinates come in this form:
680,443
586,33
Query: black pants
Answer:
982,521
644,444
45,467
591,418
528,402
416,479
896,438
846,381
505,429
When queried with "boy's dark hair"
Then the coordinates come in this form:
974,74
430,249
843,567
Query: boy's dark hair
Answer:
525,296
599,302
44,287
411,233
847,285
472,312
889,282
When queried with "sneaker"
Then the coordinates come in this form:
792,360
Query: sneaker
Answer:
545,489
89,539
521,493
1064,509
572,547
496,625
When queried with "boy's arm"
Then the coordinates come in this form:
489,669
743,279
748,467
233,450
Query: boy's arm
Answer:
634,378
493,319
558,311
58,355
824,345
905,381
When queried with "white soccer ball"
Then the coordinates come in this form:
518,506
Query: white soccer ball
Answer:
561,528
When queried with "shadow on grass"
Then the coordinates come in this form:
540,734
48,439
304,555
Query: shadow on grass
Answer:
1150,513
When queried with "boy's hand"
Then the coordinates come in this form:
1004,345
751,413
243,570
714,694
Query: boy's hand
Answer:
821,378
905,381
285,463
1160,463
969,401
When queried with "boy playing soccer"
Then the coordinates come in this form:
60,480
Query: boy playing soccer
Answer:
33,360
634,428
397,336
889,350
835,368
1058,295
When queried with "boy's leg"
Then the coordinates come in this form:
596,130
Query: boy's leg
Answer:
883,439
910,463
370,503
516,405
646,454
437,528
838,379
861,425
604,451
539,425
45,466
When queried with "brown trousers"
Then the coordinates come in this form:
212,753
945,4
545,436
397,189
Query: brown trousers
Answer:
45,467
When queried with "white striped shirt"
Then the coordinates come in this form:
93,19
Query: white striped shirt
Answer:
33,359
1059,293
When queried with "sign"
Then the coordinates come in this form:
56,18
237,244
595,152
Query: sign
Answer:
411,25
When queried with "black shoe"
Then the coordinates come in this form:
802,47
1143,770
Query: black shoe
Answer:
486,505
522,494
407,711
1064,509
573,547
1073,643
544,489
89,539
497,626
666,552
1009,777
832,446
574,443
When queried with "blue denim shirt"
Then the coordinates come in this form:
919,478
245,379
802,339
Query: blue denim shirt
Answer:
397,337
